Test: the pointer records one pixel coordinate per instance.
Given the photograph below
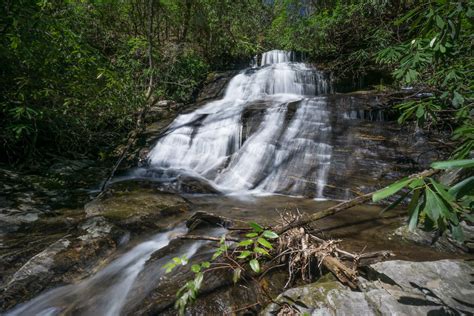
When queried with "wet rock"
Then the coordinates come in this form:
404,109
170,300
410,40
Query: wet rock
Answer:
189,184
140,209
61,262
217,296
245,298
160,110
445,284
67,167
204,219
214,86
391,287
442,243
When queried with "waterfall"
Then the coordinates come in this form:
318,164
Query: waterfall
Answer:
277,56
286,150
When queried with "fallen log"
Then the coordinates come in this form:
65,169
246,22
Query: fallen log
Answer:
305,220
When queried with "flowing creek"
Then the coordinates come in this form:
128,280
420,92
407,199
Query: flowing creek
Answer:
279,139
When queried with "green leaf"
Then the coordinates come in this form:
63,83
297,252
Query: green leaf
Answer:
195,268
463,163
469,217
264,243
457,233
236,275
206,264
439,22
256,227
414,218
470,13
418,182
255,265
244,254
251,235
435,207
457,100
261,251
270,234
216,254
442,191
462,188
198,281
390,190
420,111
245,243
169,267
394,204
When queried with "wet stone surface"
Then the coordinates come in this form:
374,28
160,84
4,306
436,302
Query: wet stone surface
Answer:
393,287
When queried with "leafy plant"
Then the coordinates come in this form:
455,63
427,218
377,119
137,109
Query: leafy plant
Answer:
434,204
248,251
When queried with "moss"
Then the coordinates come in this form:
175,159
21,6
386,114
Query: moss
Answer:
123,206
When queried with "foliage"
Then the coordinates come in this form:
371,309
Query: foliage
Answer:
59,91
74,73
437,56
434,204
248,251
344,34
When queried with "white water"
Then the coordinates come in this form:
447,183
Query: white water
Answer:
288,152
106,292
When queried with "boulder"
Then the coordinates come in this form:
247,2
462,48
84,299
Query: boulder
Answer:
389,288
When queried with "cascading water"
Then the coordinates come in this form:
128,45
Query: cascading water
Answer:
287,151
107,292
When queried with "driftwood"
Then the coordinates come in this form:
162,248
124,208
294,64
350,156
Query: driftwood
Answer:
296,249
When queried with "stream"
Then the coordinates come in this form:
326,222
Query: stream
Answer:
279,139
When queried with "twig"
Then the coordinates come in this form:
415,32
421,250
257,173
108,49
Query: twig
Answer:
244,308
198,237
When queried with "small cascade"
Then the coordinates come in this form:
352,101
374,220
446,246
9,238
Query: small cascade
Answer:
106,292
287,150
276,57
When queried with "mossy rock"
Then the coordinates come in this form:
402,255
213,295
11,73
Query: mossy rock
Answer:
140,209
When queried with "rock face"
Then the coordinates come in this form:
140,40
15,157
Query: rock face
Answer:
390,288
214,86
62,261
